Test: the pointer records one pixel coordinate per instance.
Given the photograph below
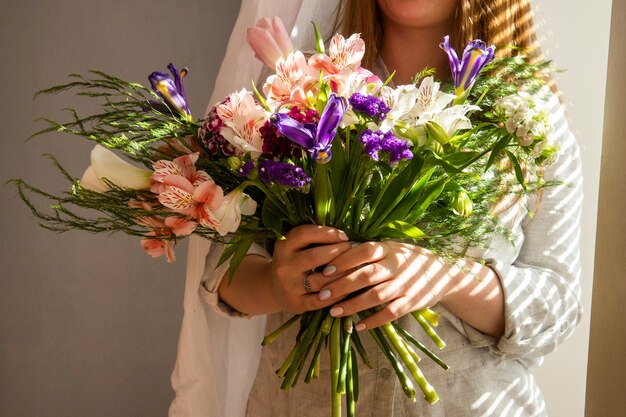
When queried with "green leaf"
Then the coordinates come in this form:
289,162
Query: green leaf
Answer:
459,159
413,196
519,174
497,149
319,40
432,193
400,230
272,217
240,252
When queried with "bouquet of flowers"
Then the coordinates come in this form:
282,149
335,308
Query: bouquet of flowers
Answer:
324,141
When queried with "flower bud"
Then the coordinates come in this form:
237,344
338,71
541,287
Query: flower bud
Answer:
234,163
461,203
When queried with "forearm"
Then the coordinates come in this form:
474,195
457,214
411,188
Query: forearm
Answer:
476,297
250,291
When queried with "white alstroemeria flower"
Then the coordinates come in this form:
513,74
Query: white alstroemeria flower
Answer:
229,213
430,99
242,118
105,164
400,100
451,119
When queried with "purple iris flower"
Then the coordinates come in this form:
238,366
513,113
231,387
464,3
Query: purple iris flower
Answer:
171,91
317,139
465,71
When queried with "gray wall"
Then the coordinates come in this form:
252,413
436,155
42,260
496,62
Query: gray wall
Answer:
88,324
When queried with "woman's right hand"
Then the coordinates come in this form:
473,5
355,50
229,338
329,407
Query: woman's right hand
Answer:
304,249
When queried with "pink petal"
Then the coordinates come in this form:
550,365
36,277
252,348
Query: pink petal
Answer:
187,164
176,199
180,226
164,168
158,247
207,218
179,182
210,194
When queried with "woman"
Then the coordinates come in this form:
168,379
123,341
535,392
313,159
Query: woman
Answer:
499,317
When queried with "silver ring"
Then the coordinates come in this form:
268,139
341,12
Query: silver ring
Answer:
307,284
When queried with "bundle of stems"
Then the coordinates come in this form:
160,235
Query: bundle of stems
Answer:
319,329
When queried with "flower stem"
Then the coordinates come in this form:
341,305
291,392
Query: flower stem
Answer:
429,392
407,385
428,329
420,346
335,358
272,336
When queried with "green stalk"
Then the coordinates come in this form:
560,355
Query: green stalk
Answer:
319,340
287,363
350,400
355,375
408,336
379,197
407,385
272,336
429,392
430,316
335,358
356,340
429,330
345,354
411,351
304,347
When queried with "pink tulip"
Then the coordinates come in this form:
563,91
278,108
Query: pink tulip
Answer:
269,40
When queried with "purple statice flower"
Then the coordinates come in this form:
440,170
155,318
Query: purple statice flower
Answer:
282,173
316,138
375,142
171,90
370,105
246,168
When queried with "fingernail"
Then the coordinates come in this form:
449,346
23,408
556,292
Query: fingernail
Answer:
330,269
336,311
355,244
324,295
359,327
343,236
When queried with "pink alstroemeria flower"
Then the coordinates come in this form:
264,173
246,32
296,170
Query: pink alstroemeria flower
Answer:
342,53
186,190
294,78
160,241
242,118
269,40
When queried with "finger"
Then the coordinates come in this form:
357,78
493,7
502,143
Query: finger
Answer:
362,277
312,258
363,253
310,302
375,296
306,235
392,311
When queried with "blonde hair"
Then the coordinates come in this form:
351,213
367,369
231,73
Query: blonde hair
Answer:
508,24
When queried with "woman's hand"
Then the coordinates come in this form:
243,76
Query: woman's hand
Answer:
304,249
262,285
403,278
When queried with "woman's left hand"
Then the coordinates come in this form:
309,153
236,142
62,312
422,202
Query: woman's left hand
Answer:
400,277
